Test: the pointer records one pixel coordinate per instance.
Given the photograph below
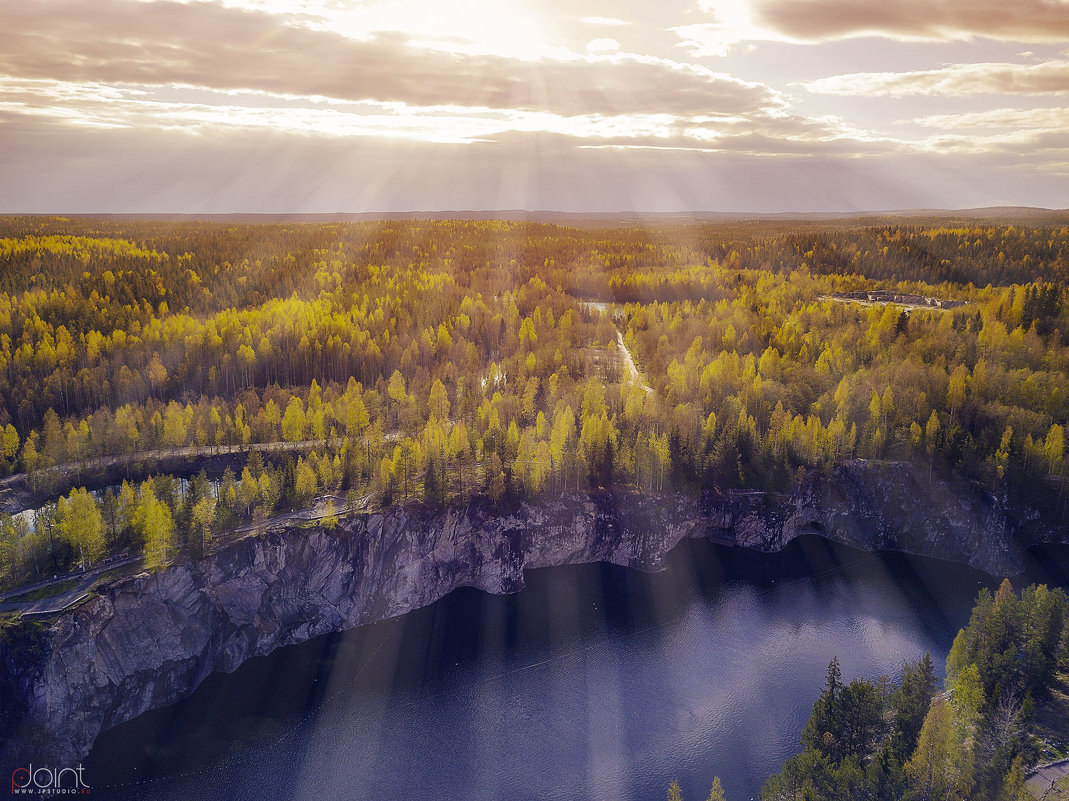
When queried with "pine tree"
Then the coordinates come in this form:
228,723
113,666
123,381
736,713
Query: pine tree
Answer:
674,793
824,729
716,793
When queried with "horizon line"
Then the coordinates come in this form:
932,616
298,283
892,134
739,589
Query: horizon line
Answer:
510,215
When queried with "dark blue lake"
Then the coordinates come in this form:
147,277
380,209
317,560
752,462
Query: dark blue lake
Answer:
595,682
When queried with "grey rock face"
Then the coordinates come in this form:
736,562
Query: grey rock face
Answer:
149,640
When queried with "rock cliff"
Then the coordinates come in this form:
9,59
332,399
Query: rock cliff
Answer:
149,640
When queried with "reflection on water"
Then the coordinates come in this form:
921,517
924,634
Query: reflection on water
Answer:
595,682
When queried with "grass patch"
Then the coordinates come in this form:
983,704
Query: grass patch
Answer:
49,591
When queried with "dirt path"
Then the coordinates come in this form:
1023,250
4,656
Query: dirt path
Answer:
324,506
188,452
629,364
1041,782
57,603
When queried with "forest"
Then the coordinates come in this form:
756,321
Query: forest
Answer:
906,740
398,361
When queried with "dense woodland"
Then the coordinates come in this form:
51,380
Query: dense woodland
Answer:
972,742
434,360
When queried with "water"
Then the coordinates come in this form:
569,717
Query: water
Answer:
595,682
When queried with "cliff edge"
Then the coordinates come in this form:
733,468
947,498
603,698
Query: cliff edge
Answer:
149,640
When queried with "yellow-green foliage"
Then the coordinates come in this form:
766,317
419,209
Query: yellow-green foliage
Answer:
433,359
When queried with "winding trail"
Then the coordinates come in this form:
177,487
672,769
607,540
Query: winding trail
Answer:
629,365
18,493
187,452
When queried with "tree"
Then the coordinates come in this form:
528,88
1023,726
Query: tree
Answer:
460,452
941,766
823,731
80,522
396,391
562,445
597,447
495,477
716,793
1014,787
157,373
248,490
294,421
528,335
408,459
127,513
956,390
306,483
31,460
909,705
10,442
247,360
388,474
433,491
931,439
55,443
800,778
1053,448
356,418
109,510
175,432
438,402
674,793
861,719
203,519
1002,455
157,528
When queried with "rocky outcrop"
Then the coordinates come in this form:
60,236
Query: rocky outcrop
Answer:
895,506
149,640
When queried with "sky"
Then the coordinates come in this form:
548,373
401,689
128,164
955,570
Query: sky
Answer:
300,106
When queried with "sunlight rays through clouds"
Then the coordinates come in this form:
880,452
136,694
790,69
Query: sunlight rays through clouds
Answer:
721,81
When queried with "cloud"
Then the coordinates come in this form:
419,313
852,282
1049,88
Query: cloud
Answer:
205,111
1029,119
602,46
209,45
1034,137
201,106
1050,77
814,21
209,113
733,22
1027,148
934,20
609,21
